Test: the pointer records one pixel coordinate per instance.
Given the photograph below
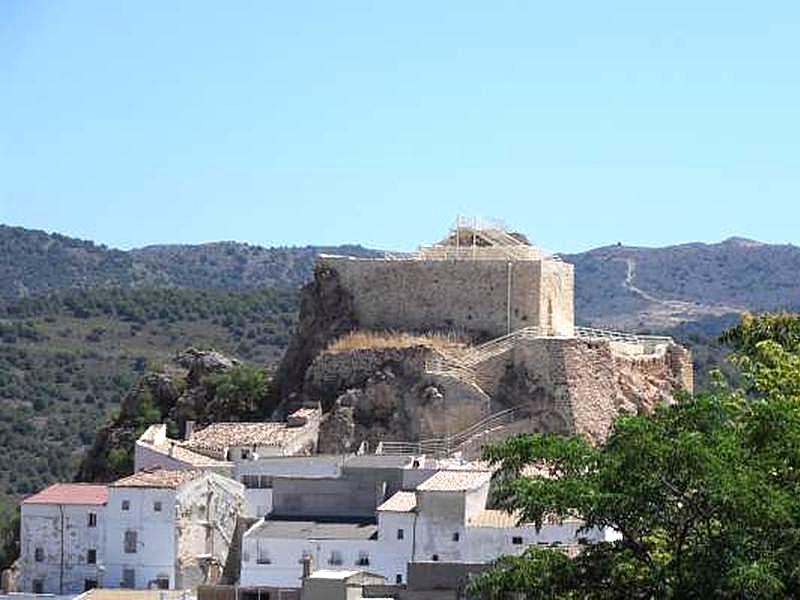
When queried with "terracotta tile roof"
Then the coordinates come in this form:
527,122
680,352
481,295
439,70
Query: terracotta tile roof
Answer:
494,518
159,478
502,519
305,413
190,457
400,502
455,481
71,493
218,436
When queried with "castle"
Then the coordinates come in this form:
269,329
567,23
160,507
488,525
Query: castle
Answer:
507,309
480,279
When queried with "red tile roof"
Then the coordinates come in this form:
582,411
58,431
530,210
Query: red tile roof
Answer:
70,493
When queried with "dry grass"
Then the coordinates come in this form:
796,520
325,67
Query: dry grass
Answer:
379,340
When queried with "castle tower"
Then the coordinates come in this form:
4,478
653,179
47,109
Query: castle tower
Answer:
481,279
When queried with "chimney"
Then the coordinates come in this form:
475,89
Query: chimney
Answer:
189,430
306,566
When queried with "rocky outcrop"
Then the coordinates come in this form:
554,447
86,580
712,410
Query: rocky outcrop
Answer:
372,395
326,312
178,395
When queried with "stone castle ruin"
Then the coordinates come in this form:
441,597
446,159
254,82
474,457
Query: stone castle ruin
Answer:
480,279
464,342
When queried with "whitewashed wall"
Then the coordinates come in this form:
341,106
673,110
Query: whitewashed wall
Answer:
155,552
41,526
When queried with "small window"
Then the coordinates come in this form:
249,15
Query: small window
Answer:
400,534
89,584
265,482
456,536
38,586
162,582
336,558
157,506
435,558
130,542
38,555
126,505
363,559
91,556
398,579
516,540
92,519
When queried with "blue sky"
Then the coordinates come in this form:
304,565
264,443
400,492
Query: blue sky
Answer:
579,123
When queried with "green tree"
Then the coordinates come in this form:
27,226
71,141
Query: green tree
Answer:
240,390
705,494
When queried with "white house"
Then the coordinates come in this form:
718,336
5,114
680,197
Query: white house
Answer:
154,450
170,529
258,475
62,535
444,519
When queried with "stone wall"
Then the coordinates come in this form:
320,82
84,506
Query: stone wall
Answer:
581,386
486,298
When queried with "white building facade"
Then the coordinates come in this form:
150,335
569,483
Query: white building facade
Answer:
444,519
62,539
170,529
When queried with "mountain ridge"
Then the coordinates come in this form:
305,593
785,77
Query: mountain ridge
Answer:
617,286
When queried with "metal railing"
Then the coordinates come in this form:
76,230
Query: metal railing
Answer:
619,336
450,444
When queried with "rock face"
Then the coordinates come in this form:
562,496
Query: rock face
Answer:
373,395
326,312
563,385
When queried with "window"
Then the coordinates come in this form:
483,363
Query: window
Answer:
363,559
262,558
157,506
128,578
130,542
516,540
336,558
435,558
126,505
456,536
400,534
91,556
92,519
89,584
38,555
257,481
38,586
398,579
162,582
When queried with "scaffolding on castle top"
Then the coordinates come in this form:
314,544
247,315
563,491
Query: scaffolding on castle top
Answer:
476,239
